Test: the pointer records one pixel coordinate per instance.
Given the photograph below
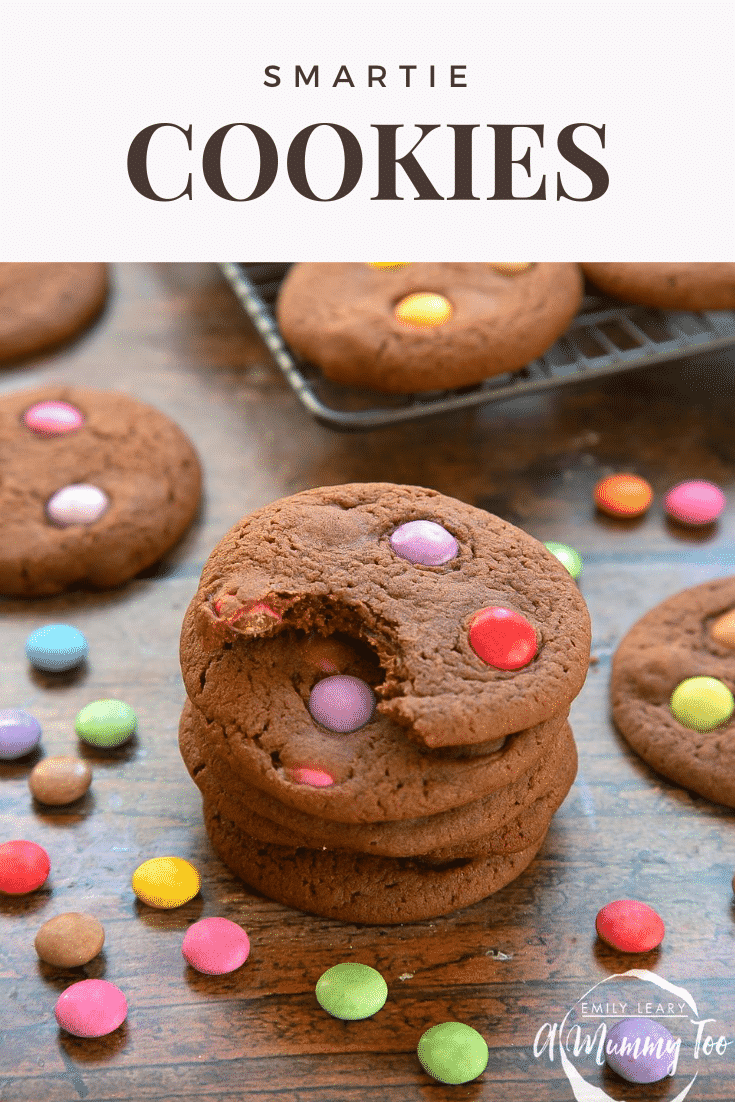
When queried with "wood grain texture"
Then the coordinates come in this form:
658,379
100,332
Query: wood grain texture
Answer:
172,335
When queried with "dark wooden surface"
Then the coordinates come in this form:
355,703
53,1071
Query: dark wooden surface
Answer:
174,336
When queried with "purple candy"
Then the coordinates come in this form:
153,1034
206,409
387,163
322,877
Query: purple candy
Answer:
641,1050
424,542
19,733
342,703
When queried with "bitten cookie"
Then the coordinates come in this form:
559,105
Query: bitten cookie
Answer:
668,286
94,487
414,327
692,740
379,679
44,304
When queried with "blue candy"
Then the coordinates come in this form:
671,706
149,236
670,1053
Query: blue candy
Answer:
56,647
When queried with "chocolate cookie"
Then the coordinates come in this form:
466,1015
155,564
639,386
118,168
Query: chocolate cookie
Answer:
359,887
324,560
684,637
44,304
668,286
413,327
94,487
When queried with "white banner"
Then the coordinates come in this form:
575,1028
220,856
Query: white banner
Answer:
350,131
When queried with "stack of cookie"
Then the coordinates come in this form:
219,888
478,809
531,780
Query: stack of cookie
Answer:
379,679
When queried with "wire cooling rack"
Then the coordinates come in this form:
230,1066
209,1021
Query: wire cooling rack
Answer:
605,337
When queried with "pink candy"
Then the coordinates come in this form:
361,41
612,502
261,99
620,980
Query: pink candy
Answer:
91,1008
424,542
53,418
695,503
317,778
215,946
342,703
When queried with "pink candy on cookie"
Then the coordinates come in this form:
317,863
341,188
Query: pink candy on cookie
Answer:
317,778
91,1008
342,703
215,946
695,503
424,542
53,418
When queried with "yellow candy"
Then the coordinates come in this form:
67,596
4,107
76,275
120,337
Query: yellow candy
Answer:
723,629
702,703
389,265
165,882
510,269
424,309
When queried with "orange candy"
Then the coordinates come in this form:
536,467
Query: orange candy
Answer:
623,495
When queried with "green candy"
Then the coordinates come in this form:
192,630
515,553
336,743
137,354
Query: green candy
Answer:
701,703
453,1052
567,556
351,991
106,723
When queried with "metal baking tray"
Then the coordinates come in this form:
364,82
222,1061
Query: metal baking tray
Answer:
606,336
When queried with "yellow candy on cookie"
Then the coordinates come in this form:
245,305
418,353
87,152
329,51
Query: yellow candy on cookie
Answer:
424,309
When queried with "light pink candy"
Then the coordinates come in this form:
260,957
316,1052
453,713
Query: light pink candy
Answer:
53,418
696,502
91,1008
77,504
342,703
215,946
317,778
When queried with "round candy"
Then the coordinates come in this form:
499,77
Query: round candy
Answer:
91,1008
423,310
510,269
165,882
19,733
342,703
701,703
351,991
106,723
695,503
630,926
56,648
453,1052
215,946
623,495
502,638
722,629
567,556
53,418
58,781
640,1050
403,265
424,542
24,866
77,504
317,778
70,940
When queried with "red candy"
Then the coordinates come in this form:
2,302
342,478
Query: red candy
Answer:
502,638
630,926
24,867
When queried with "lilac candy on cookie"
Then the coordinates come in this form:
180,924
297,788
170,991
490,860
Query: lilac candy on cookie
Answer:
19,733
215,946
695,503
77,504
424,542
342,703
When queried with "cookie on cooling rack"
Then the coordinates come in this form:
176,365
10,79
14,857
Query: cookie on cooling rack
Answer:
415,327
668,286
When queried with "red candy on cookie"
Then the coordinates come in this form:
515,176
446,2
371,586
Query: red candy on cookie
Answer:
503,638
630,926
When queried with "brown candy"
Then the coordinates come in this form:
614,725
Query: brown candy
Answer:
70,939
722,629
58,781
